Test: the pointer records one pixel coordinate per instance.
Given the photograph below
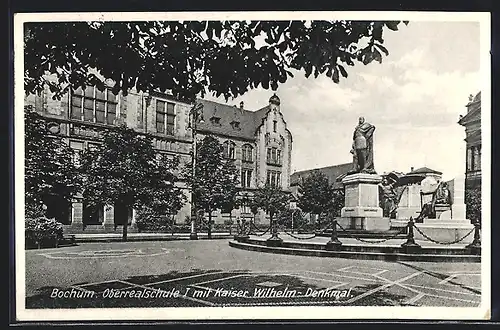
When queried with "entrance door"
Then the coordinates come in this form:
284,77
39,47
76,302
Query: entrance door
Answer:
122,214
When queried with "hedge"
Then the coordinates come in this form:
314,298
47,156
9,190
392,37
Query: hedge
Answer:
42,232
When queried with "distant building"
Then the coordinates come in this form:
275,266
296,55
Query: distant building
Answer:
472,123
259,141
333,173
426,172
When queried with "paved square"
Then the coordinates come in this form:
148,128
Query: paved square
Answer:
210,273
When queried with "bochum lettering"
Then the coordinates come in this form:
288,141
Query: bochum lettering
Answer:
69,294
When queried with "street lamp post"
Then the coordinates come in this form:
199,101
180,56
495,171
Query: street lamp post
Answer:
293,207
196,115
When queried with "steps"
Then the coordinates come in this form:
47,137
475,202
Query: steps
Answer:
364,252
358,233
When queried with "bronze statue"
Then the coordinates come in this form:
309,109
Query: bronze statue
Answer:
388,197
440,196
362,147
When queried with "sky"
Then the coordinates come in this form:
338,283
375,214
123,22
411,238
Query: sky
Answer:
414,98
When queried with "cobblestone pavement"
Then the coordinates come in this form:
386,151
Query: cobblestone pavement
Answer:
210,273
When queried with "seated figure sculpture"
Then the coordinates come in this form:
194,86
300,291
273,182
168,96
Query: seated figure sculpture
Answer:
440,196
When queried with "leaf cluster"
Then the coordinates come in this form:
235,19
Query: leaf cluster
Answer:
191,58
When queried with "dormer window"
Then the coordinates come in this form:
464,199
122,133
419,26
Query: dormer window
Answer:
235,125
215,120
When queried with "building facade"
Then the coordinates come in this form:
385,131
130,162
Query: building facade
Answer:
472,123
259,141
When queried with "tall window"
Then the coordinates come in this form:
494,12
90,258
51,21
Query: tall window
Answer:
473,158
274,156
247,153
93,105
477,165
275,125
246,178
165,117
273,178
469,159
245,209
229,149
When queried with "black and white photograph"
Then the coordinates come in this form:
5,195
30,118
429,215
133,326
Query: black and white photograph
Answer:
252,165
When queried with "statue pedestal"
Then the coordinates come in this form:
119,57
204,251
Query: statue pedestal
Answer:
362,210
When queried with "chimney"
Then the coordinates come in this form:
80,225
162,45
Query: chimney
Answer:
241,105
411,169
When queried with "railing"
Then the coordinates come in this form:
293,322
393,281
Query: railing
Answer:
409,246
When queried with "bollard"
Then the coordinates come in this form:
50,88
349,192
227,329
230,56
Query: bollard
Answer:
274,240
475,246
334,243
410,246
238,230
243,235
251,229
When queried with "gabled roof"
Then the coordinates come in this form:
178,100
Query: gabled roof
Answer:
331,172
424,170
249,120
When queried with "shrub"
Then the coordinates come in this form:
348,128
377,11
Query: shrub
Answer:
33,210
148,219
285,219
42,232
473,204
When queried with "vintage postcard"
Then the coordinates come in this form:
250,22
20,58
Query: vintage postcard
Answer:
252,166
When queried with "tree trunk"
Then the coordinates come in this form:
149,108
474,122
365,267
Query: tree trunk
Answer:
209,230
230,221
125,228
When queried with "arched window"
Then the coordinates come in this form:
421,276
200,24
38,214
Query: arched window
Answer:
229,149
247,153
274,156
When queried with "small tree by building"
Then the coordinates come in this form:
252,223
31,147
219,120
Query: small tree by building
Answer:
316,194
215,182
272,199
126,172
51,177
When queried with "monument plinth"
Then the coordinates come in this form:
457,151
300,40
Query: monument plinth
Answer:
362,210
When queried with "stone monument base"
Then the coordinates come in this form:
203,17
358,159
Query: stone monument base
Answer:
362,210
444,231
365,223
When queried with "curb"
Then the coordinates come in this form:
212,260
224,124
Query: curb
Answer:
365,255
109,239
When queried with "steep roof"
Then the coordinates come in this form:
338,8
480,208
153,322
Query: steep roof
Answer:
473,111
424,170
332,172
249,120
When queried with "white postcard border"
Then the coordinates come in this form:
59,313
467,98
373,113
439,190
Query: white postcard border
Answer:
249,313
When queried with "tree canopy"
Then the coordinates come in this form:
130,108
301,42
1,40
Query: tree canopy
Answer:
191,58
272,199
215,179
126,170
316,193
51,177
